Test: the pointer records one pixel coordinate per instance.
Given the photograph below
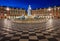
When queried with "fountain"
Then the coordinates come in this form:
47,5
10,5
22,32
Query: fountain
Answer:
29,16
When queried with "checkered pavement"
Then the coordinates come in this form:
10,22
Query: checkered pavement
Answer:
30,32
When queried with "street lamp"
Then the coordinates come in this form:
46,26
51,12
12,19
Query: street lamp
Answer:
49,9
7,9
58,11
58,8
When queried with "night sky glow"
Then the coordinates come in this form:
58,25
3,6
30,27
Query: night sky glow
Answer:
33,3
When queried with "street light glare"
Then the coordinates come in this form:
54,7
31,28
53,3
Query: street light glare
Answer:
49,9
7,9
58,8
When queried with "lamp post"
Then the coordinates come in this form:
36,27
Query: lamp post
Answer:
58,11
7,9
49,11
55,11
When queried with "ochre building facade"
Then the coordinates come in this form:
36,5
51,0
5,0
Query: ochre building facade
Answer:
14,12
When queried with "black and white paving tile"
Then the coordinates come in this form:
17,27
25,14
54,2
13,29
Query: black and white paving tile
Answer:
45,31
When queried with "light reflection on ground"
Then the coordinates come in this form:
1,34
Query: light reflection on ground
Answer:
7,24
49,24
10,30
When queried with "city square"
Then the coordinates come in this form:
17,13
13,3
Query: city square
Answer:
29,20
44,31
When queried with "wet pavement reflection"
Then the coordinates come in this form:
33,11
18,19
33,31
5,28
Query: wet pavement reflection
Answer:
44,31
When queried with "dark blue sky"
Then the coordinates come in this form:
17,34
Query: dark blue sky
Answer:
33,3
